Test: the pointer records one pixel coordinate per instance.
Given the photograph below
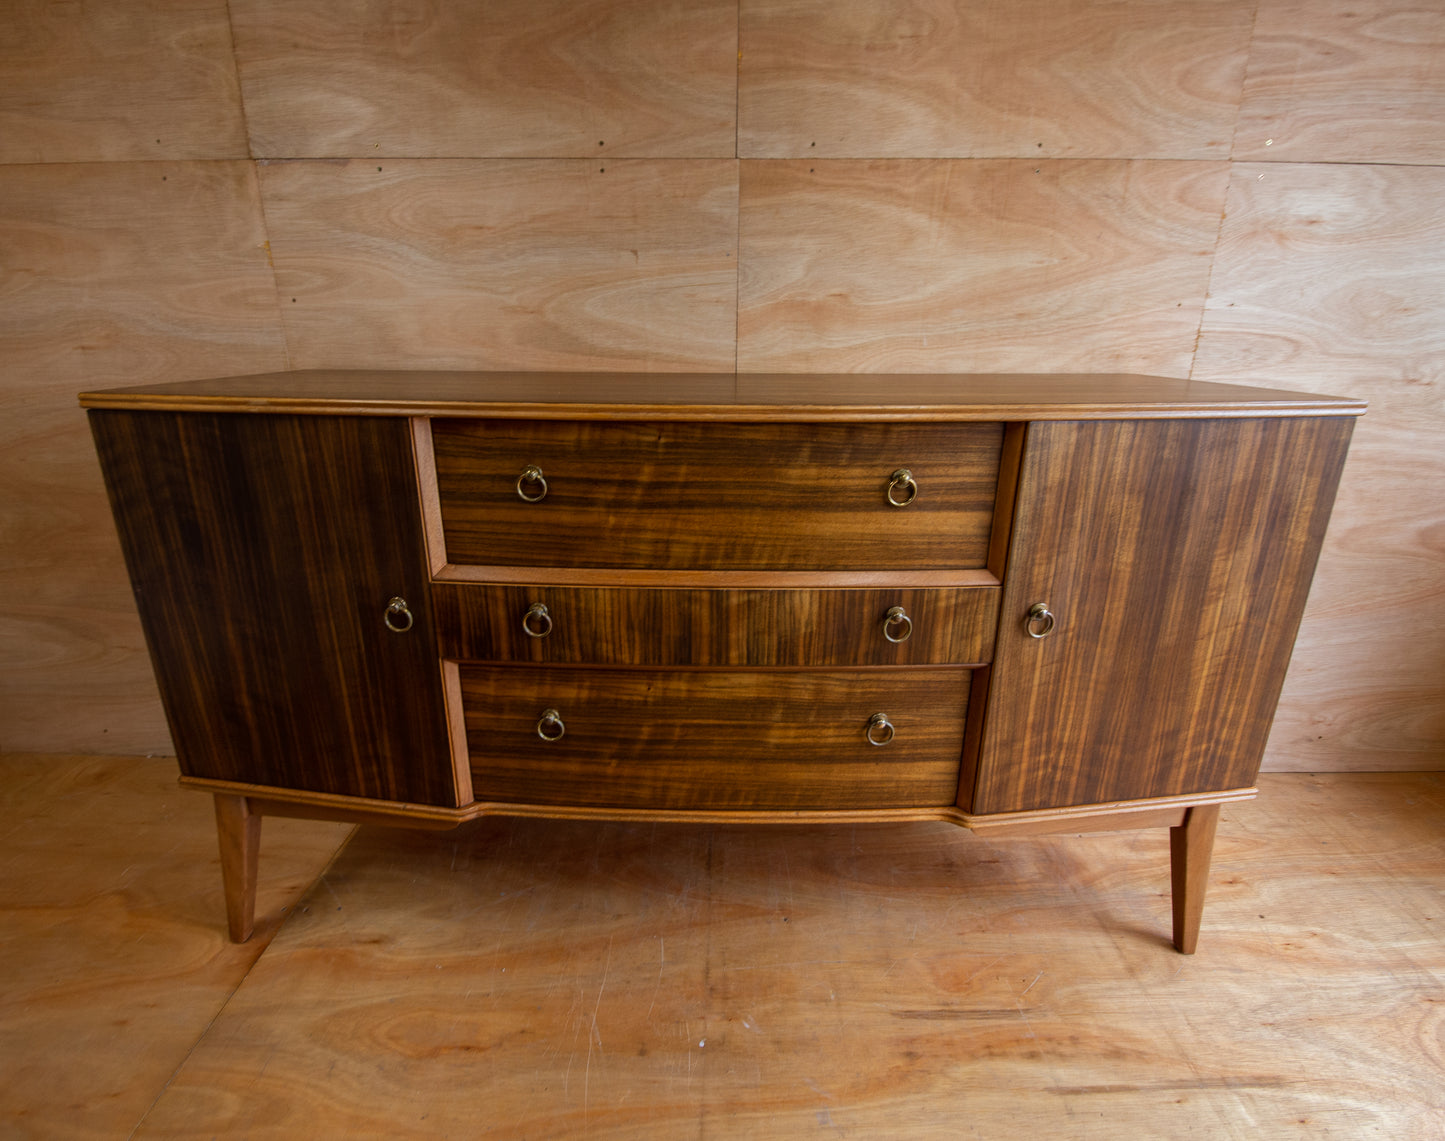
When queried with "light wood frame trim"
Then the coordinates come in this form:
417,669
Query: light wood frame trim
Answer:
715,579
1153,812
457,731
737,413
1000,539
1010,457
1109,816
428,495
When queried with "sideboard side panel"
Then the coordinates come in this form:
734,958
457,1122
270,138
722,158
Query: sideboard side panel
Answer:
1176,557
263,551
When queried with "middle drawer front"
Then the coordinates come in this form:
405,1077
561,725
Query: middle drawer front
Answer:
714,739
647,626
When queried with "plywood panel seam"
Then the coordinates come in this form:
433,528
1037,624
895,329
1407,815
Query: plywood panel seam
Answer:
738,80
270,257
1209,277
1224,207
1284,162
241,102
1243,87
362,156
738,166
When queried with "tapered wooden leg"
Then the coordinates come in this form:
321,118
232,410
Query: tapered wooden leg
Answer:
239,830
1190,846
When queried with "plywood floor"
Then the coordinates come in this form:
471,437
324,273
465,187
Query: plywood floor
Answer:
519,979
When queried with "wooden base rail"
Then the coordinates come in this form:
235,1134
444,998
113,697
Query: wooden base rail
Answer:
1191,834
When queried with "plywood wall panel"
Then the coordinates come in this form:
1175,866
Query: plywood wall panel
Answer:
1332,278
128,79
1337,81
1004,78
110,273
518,78
957,266
546,264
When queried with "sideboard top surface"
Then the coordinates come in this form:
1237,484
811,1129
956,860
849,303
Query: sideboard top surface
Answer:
723,396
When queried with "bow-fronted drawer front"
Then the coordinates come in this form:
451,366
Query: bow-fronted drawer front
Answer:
714,739
698,627
716,496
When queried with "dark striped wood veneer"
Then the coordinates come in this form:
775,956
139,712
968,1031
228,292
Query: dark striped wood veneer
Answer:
263,552
697,739
1176,557
716,496
700,627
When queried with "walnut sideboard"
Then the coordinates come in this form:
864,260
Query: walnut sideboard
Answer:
1018,603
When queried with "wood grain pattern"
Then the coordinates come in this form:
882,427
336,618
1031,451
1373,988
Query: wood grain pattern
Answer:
716,580
528,265
662,627
1025,78
973,266
714,739
742,397
1191,843
515,78
142,79
716,497
114,955
238,829
290,535
1103,822
1332,276
1111,815
110,273
649,983
1176,558
1336,81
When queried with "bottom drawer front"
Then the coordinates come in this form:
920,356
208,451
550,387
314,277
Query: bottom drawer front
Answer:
714,739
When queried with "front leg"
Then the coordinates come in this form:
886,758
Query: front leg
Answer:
1190,846
238,827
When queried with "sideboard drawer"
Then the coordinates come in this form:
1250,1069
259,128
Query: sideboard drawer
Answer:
693,627
714,739
689,496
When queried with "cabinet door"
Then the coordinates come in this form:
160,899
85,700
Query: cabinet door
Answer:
263,551
1175,557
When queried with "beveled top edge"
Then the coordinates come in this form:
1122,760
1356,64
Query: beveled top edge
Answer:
721,396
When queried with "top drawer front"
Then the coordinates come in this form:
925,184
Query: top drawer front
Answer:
716,496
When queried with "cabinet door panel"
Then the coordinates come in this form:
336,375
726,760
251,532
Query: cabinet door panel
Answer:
1176,556
263,551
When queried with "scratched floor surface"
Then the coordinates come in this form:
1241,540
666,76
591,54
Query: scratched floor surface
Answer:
524,979
113,956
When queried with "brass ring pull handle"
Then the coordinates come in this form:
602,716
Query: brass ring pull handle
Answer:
880,729
902,482
398,616
1039,623
531,477
550,727
897,626
537,622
